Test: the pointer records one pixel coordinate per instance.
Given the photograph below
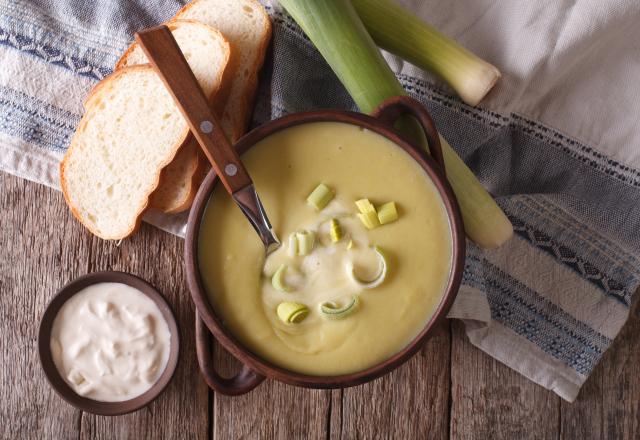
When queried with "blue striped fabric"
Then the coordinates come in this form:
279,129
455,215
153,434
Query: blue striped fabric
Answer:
565,282
35,121
531,316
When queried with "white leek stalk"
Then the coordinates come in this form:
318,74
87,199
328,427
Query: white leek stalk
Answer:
400,32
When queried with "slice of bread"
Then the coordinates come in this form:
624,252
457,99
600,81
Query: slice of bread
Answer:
247,27
205,48
131,130
207,53
180,180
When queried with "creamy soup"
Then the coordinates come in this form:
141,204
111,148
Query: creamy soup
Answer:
385,316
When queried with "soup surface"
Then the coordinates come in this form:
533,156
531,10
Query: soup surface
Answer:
356,164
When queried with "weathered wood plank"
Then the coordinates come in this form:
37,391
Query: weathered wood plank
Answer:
608,405
490,400
271,411
410,403
335,415
181,412
40,250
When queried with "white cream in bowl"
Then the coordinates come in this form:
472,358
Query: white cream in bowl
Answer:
110,342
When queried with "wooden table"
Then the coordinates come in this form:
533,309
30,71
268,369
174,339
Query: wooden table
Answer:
450,389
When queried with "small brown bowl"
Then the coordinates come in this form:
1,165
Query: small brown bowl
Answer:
49,367
255,369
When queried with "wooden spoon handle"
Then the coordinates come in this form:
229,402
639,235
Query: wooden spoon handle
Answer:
168,61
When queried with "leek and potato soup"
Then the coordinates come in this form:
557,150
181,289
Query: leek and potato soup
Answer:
365,257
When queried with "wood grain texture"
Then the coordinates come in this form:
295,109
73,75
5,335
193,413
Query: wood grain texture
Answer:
273,410
466,395
40,251
410,403
491,401
608,406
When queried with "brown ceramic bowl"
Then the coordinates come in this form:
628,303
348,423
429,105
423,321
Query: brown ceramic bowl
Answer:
255,369
49,367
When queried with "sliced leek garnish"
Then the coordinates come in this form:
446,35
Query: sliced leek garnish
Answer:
306,240
336,231
364,206
378,279
320,197
368,215
278,282
350,244
333,311
292,249
387,213
369,220
292,312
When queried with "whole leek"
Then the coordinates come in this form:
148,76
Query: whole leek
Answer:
338,33
397,30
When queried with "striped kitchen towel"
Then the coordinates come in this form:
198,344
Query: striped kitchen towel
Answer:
556,142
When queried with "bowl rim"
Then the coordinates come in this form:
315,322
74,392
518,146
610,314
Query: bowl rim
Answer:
253,361
54,377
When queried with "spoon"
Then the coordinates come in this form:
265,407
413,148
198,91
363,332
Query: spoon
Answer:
169,62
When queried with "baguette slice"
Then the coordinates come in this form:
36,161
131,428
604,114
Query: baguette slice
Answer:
131,130
207,53
247,27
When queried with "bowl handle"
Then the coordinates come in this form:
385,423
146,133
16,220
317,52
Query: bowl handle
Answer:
394,108
243,382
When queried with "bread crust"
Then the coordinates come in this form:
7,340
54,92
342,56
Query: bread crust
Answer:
175,205
201,170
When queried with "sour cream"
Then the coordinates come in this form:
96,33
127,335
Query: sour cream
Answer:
110,342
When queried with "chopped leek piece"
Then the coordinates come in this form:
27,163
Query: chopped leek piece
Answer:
292,312
378,279
387,213
332,311
278,282
350,244
292,250
320,197
364,206
336,231
369,219
306,240
338,33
